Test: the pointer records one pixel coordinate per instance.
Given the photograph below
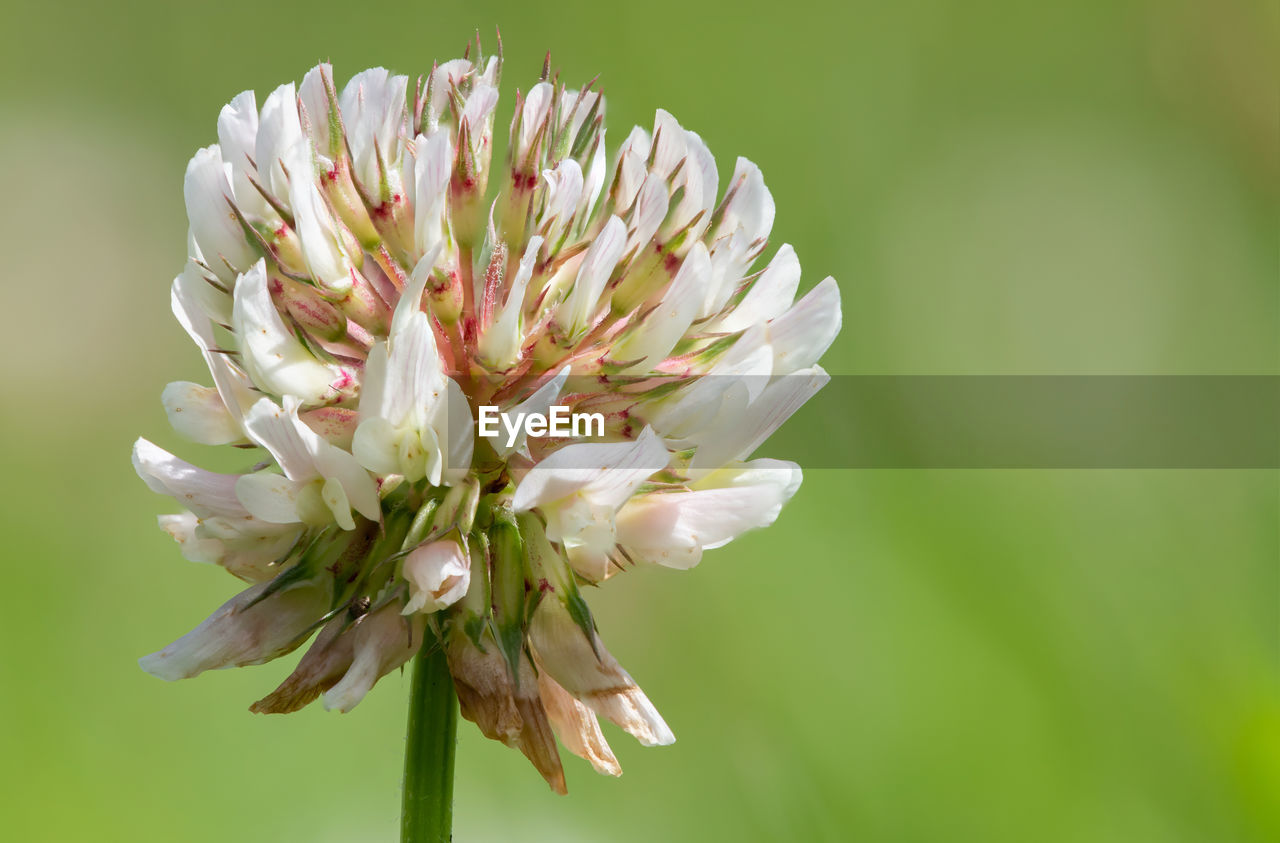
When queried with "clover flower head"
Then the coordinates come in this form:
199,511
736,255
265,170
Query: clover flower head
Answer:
362,281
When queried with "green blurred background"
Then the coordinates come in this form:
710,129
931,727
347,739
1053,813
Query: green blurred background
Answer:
1000,187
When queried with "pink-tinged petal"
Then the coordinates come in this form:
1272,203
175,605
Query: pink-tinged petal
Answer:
337,425
270,497
203,492
592,674
247,629
197,412
480,104
724,392
213,223
607,472
803,334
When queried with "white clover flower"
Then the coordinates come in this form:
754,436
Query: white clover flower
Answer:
362,280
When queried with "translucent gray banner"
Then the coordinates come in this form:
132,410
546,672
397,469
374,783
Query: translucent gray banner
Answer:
1209,421
1037,422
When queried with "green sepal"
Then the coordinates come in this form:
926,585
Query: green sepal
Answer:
508,558
551,572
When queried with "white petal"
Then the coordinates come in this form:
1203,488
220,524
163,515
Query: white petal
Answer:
707,517
314,100
243,631
374,445
649,211
203,492
431,178
383,642
304,454
607,472
335,464
584,300
197,412
438,574
478,111
456,434
335,498
734,438
232,383
803,334
536,112
271,497
539,402
252,549
273,428
373,111
275,359
205,301
411,297
594,180
213,224
322,247
651,341
770,295
182,529
415,379
500,341
278,131
733,382
237,135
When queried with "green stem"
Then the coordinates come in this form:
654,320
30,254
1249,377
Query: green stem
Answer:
427,812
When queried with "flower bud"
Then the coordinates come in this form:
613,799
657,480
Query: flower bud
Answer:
438,574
